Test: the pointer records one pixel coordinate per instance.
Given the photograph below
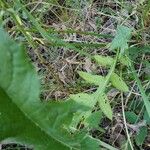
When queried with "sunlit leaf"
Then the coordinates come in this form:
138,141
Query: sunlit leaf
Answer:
118,83
92,79
105,61
105,106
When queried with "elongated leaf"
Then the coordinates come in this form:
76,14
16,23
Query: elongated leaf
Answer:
105,61
93,79
118,83
120,41
131,117
23,117
140,137
105,106
146,117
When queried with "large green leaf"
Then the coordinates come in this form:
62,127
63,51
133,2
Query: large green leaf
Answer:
23,117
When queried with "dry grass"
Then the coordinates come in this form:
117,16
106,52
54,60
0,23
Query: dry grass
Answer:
57,66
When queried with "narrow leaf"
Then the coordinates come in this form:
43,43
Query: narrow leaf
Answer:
105,106
140,137
131,117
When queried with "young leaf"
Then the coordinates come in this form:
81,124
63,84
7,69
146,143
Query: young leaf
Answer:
23,118
105,61
105,106
120,41
140,137
118,83
93,79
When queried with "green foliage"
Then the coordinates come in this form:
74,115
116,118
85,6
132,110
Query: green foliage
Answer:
118,83
131,117
88,100
105,61
124,60
122,37
134,52
92,79
146,117
141,135
24,118
94,119
105,106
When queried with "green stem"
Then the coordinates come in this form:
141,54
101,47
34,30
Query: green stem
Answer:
101,89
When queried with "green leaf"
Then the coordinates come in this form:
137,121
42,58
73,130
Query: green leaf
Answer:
105,106
94,119
140,137
131,117
122,37
88,100
23,117
134,52
92,79
147,117
124,60
105,61
90,143
83,99
118,83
